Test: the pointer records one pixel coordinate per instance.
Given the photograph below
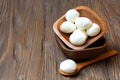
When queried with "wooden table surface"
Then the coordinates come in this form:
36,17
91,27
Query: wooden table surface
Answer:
28,50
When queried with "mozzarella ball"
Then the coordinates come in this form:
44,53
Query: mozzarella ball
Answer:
83,23
67,27
78,37
68,66
78,31
71,15
93,30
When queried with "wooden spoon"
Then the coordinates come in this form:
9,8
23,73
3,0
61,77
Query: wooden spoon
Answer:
83,64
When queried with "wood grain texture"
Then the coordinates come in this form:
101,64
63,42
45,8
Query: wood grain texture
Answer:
28,50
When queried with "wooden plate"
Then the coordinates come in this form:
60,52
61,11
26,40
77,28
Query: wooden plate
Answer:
84,12
97,48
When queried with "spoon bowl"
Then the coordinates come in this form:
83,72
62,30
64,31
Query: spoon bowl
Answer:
84,12
85,63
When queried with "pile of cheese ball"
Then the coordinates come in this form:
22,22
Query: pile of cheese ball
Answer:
78,27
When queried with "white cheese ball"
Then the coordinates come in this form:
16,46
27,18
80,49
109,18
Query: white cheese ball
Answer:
83,23
71,15
68,66
67,27
78,37
93,30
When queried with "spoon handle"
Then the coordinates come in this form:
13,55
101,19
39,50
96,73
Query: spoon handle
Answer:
98,58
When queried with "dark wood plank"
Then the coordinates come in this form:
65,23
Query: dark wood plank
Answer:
28,50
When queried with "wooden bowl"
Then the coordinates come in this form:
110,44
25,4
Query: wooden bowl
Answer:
95,49
86,12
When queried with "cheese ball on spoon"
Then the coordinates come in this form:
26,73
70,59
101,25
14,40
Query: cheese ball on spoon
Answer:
68,66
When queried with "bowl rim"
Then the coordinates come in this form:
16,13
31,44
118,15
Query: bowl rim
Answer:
86,49
99,18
